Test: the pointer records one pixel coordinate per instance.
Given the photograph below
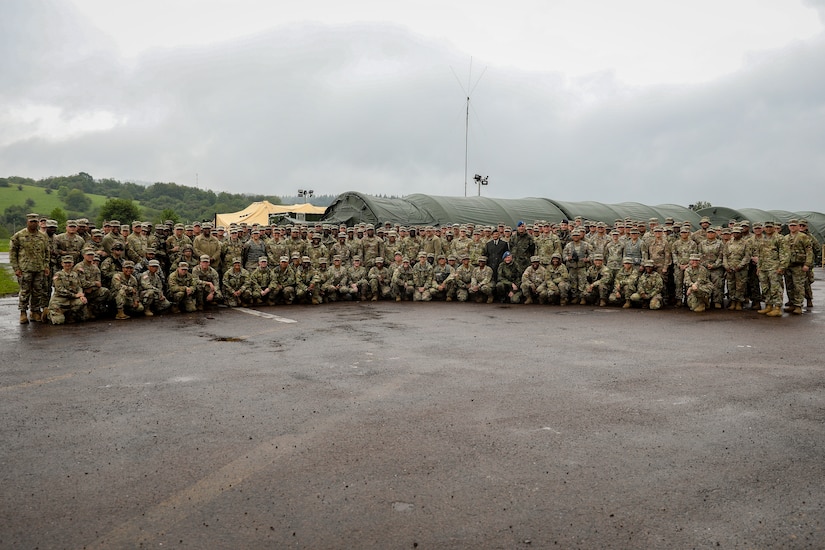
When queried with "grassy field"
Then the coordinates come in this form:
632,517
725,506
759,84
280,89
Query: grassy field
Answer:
4,245
43,203
8,284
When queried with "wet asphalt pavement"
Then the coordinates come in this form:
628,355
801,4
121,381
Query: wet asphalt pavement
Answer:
414,425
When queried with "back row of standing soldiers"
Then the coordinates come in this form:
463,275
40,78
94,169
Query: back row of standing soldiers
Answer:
570,263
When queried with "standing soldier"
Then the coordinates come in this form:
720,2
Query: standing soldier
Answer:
30,255
233,247
70,243
341,248
371,247
817,250
710,250
657,249
735,260
112,237
800,262
207,244
136,243
175,243
522,247
681,251
68,298
577,257
771,262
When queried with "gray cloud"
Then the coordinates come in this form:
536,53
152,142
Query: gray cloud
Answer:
377,109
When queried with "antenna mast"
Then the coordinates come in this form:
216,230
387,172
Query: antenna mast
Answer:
468,91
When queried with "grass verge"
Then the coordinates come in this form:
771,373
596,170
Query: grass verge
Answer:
8,283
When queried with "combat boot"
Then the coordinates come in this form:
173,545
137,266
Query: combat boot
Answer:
36,316
148,313
732,306
768,308
775,311
626,305
563,302
810,303
797,311
375,298
602,303
700,308
583,302
489,299
738,306
790,308
24,319
120,315
528,301
45,315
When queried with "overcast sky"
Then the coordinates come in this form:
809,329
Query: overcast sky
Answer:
589,100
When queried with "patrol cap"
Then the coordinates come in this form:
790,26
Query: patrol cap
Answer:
205,258
711,229
803,221
684,229
482,259
736,229
150,251
304,259
33,216
283,259
649,263
793,222
296,255
758,225
88,250
263,259
154,263
405,260
704,219
422,254
598,257
356,257
67,259
658,229
342,235
696,257
555,255
534,259
71,223
117,246
95,232
179,226
95,258
322,260
627,260
236,260
635,230
130,263
451,258
441,257
379,260
51,223
336,258
181,265
769,224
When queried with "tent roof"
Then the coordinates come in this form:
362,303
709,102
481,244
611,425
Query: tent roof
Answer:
258,212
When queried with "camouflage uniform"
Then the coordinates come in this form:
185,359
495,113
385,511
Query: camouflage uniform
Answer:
30,258
66,300
649,287
336,284
463,278
402,283
423,282
533,282
182,291
735,260
599,284
699,287
558,281
283,282
126,290
772,260
508,281
712,258
624,283
800,256
208,275
307,284
481,283
69,244
358,282
238,287
443,280
681,250
577,258
380,280
151,291
97,295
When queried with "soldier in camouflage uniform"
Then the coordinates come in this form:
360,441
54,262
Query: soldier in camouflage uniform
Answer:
284,281
771,262
442,279
358,282
208,290
70,243
599,282
577,258
380,280
698,284
68,299
262,279
482,283
712,257
307,283
800,262
403,284
624,283
533,282
88,273
508,282
126,290
522,247
614,253
681,251
151,290
423,282
649,287
371,247
463,278
558,281
341,248
30,258
817,250
336,284
316,250
182,289
237,285
735,260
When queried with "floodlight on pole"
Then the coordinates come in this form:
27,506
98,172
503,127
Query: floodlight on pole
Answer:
480,181
305,193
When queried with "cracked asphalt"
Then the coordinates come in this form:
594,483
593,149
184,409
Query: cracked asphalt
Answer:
415,426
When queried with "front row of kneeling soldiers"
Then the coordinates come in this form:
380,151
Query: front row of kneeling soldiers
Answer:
80,292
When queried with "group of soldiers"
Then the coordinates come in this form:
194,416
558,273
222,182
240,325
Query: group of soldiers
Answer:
141,269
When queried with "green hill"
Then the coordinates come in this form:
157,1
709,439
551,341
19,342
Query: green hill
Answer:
43,202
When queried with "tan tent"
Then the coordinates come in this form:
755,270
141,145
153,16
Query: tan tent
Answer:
259,212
